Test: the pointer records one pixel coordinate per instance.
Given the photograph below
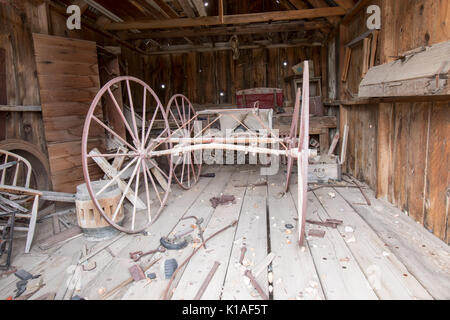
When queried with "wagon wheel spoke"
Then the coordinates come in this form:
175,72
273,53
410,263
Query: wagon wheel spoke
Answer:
153,183
151,127
133,116
136,193
147,192
144,115
122,116
113,133
116,177
127,188
155,165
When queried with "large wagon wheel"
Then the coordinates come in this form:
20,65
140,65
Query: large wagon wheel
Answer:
292,140
303,156
186,165
139,163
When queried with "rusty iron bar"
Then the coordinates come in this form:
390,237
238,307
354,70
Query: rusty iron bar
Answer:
360,188
256,285
243,251
207,280
136,256
164,296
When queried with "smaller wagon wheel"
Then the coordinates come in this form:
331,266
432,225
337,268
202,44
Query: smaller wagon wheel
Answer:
186,165
147,199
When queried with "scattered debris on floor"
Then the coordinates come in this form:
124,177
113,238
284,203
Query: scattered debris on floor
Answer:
222,200
316,233
173,244
169,267
208,175
330,223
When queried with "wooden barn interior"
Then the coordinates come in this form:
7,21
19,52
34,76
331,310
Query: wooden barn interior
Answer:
370,220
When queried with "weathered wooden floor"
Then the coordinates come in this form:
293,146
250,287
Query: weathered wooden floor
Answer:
378,252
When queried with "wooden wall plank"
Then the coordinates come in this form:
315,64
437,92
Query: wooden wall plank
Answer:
64,128
438,173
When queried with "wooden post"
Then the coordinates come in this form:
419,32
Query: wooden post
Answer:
385,111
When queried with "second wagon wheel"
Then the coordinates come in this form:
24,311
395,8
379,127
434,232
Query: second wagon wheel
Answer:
187,165
141,113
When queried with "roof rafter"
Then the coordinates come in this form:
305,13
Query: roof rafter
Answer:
229,19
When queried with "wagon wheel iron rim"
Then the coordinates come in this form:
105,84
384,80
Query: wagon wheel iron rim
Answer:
181,112
140,163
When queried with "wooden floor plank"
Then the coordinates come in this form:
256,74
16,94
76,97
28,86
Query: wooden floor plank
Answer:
201,208
294,273
251,230
388,276
340,273
423,254
117,268
218,249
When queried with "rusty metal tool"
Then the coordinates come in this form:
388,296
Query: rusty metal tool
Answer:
166,291
127,282
136,256
256,285
243,251
205,283
198,222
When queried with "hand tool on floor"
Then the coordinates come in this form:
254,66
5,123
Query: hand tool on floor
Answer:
198,222
243,251
256,285
136,256
127,282
166,291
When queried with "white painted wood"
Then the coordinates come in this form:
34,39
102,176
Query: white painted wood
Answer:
294,273
389,278
218,249
32,224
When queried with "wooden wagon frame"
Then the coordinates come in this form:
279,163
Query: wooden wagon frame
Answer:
182,145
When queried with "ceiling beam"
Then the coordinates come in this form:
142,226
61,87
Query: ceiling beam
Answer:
345,4
299,4
227,31
222,46
229,19
323,4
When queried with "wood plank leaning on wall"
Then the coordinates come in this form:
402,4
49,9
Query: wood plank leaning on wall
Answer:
61,63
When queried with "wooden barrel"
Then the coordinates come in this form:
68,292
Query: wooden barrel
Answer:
94,226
